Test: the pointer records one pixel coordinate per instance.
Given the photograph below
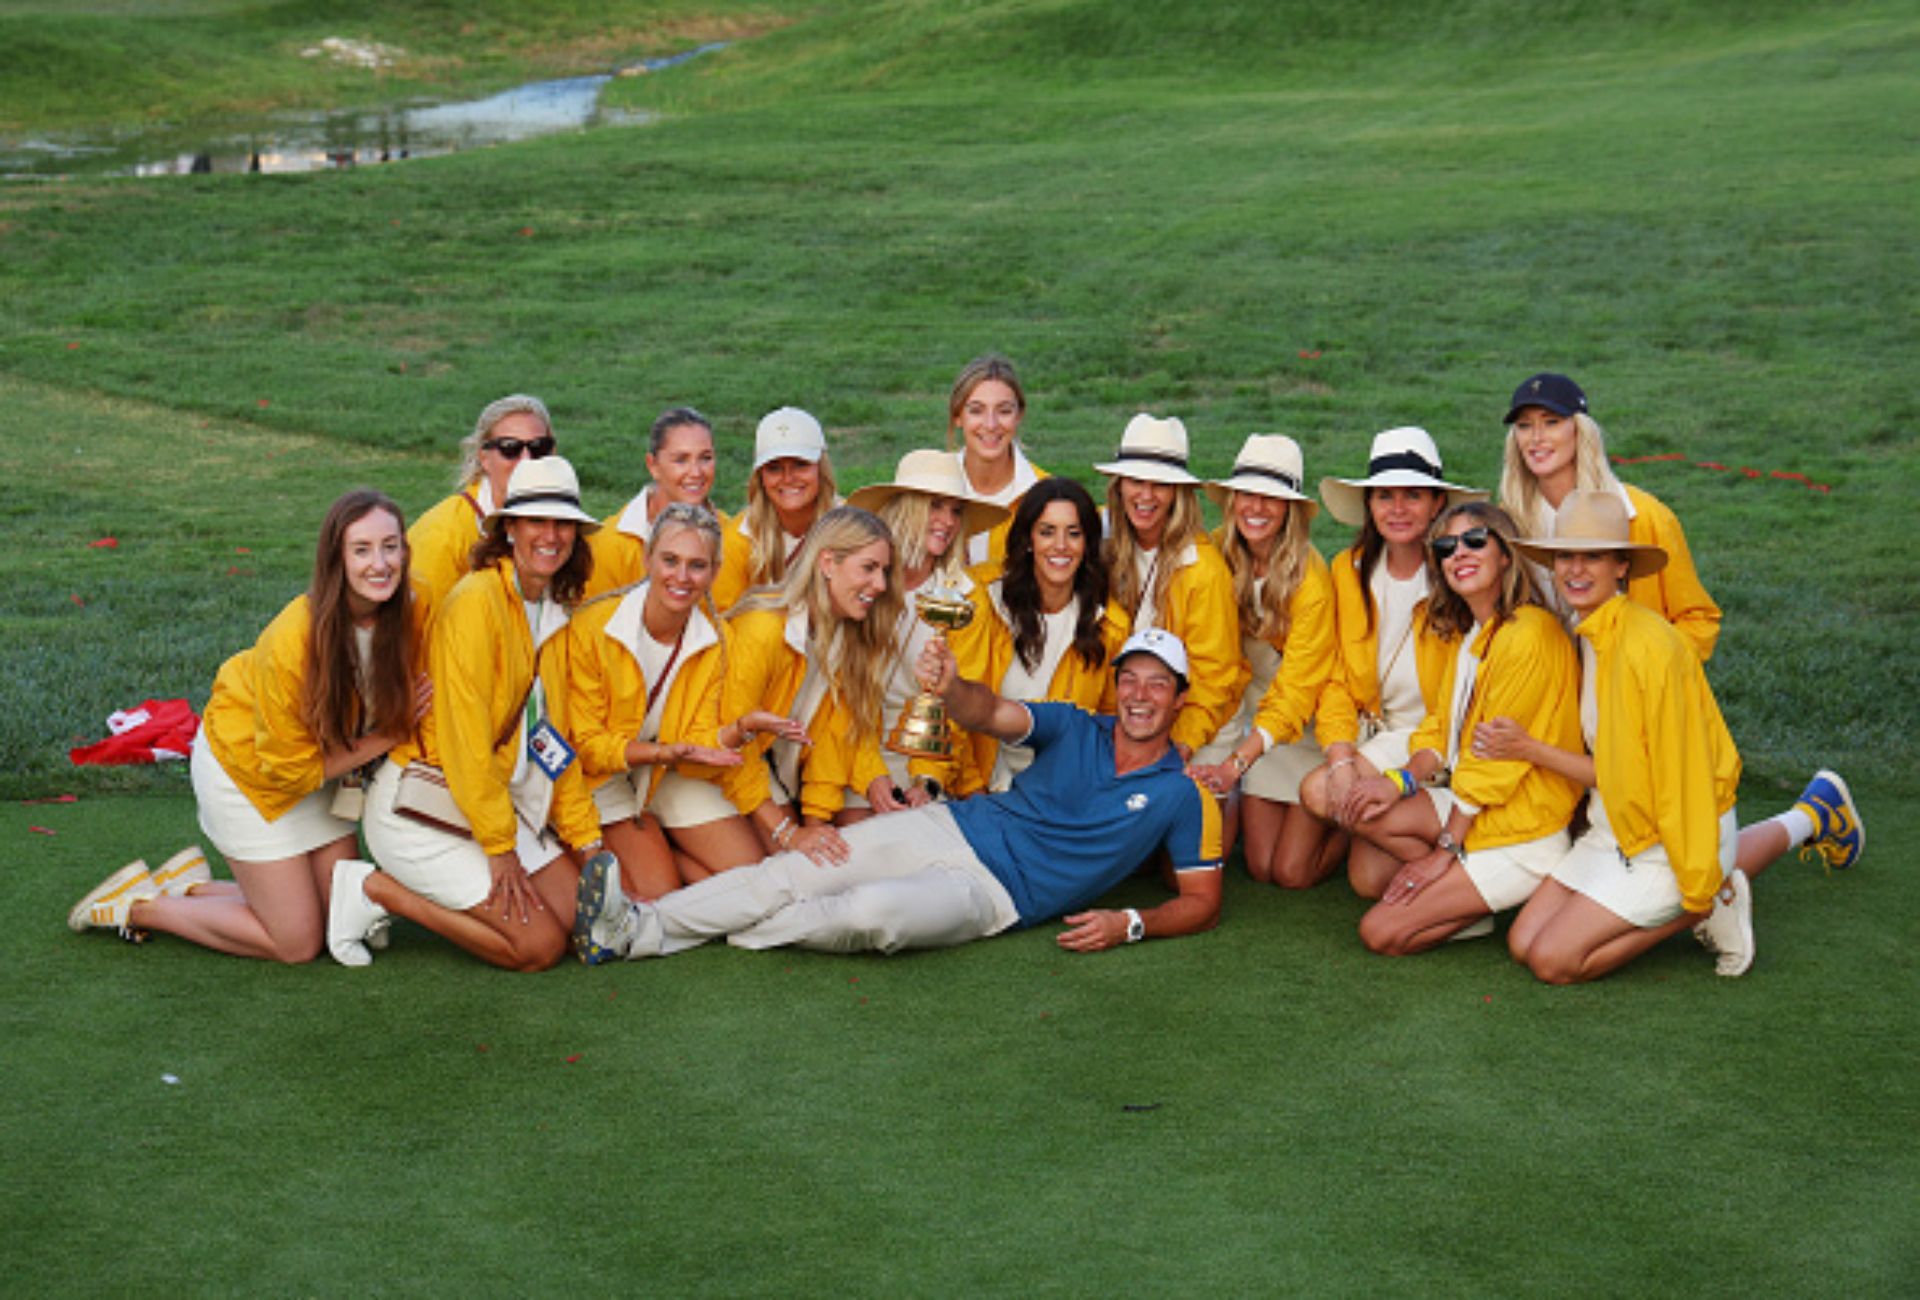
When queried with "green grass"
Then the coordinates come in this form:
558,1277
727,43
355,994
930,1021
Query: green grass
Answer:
1705,214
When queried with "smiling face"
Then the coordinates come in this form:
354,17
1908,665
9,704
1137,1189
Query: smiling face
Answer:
1059,546
990,421
792,486
1587,580
1148,696
1475,575
540,550
1549,446
1258,519
520,427
943,525
1402,515
373,552
1147,506
683,467
680,569
856,579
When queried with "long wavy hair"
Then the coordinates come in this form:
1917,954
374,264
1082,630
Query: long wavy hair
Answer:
1520,491
856,656
1020,580
1369,545
976,372
1185,525
905,515
769,564
1268,611
331,703
567,585
1447,611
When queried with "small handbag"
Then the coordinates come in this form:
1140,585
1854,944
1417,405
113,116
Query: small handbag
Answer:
423,795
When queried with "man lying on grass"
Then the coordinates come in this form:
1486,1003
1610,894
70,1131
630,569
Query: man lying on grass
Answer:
1103,795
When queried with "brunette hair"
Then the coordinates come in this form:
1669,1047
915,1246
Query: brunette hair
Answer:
975,373
331,704
856,656
1020,582
1184,525
1269,613
675,417
567,585
1369,546
768,564
1447,611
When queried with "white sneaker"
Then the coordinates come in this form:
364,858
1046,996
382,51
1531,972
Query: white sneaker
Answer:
1728,929
1477,930
106,905
352,917
181,872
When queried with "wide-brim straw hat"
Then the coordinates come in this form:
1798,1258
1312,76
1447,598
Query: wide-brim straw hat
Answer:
545,489
1269,465
1404,457
1594,521
935,474
788,432
1152,450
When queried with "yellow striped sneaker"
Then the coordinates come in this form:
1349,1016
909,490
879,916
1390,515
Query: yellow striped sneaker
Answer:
107,904
181,872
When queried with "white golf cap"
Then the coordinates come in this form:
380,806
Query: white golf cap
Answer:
788,432
1162,645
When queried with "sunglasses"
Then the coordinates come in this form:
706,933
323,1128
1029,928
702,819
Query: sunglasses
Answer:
512,448
1475,539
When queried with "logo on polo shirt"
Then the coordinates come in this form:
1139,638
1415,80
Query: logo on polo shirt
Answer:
1135,802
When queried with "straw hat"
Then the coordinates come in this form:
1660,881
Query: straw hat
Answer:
1269,465
1594,521
1404,457
546,489
1153,450
937,474
788,432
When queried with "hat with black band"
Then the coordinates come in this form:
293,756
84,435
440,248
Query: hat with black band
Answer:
1403,457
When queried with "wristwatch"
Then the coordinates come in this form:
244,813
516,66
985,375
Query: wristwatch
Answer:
1136,928
1446,844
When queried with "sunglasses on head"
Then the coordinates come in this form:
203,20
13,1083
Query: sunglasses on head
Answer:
512,448
1474,538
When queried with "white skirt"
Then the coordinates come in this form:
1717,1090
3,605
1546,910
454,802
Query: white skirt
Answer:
230,821
1276,775
1640,889
441,867
677,801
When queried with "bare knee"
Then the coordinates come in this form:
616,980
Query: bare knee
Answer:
295,950
1313,792
1381,934
1554,965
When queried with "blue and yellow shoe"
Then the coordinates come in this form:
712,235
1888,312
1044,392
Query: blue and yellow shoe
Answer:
1838,836
599,909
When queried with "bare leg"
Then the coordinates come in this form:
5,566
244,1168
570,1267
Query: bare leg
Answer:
1760,846
273,911
1307,850
1382,846
507,942
1230,828
851,816
647,869
1262,819
1370,869
1564,937
1429,918
718,845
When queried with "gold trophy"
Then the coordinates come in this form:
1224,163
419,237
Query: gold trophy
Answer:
922,728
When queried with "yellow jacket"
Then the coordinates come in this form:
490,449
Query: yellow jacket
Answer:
1675,591
1528,672
1198,608
1307,658
994,558
619,546
1355,684
483,661
607,691
983,652
1663,759
442,538
767,663
253,719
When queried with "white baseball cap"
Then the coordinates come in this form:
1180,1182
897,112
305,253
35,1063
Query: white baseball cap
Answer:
1162,645
788,432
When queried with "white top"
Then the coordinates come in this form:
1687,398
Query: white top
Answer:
1020,684
787,754
1466,674
1394,599
1023,478
363,663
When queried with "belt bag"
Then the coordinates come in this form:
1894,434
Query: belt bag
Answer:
423,795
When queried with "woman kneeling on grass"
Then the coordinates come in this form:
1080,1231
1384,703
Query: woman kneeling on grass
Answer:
329,687
1484,842
645,674
459,819
1285,597
1662,852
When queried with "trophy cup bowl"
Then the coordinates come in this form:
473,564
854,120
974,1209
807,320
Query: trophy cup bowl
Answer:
922,729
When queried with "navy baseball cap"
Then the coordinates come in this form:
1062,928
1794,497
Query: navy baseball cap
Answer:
1556,393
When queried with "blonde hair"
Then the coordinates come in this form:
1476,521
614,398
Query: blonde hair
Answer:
701,521
494,412
1184,525
1267,613
1520,492
907,514
856,656
768,566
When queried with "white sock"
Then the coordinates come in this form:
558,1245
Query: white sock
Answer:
1798,825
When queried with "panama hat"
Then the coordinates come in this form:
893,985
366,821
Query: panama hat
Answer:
937,474
788,432
1268,465
545,489
1404,457
1594,521
1153,450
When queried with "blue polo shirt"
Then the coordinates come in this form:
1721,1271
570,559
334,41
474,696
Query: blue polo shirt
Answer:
1070,829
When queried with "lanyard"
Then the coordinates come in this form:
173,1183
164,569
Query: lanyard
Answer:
666,675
